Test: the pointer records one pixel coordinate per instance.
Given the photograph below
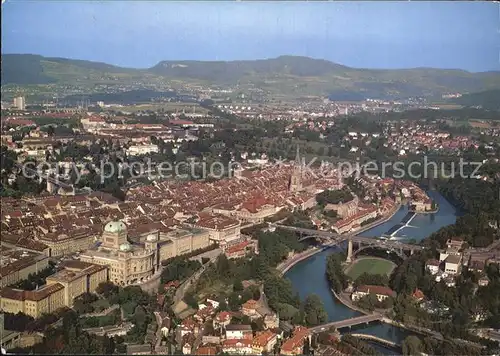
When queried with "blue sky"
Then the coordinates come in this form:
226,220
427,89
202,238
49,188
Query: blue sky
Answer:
373,34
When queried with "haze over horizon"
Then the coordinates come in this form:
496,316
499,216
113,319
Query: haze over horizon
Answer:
458,35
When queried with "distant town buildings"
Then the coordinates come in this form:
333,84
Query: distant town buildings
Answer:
136,150
20,103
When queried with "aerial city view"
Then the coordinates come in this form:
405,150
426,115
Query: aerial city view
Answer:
258,178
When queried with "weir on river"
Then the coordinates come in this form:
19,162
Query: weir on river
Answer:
308,276
405,222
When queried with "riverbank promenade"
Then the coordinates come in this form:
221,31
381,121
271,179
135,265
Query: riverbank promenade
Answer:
284,266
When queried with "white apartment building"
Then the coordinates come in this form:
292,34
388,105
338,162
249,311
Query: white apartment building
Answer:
20,103
453,264
432,266
142,149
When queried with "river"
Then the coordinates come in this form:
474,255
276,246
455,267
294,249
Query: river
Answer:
308,276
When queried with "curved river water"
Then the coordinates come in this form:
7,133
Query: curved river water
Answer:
308,276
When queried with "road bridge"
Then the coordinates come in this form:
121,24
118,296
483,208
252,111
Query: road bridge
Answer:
363,242
347,323
35,172
375,338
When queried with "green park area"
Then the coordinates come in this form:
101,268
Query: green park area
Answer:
370,265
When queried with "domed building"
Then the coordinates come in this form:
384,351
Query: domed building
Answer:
114,235
134,259
127,263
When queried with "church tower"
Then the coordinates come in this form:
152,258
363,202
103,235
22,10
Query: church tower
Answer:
295,183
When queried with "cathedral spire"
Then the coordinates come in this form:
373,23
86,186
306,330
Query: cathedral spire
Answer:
297,157
295,183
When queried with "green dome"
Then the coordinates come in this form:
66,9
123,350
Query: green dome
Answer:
125,247
115,226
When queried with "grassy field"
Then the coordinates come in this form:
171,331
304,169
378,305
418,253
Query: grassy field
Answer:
371,266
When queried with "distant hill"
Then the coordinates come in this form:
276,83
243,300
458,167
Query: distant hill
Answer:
34,69
236,70
24,69
285,75
488,99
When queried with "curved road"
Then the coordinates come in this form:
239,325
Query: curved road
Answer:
181,291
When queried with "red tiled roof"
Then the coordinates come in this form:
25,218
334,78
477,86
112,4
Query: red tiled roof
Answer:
263,338
250,304
207,350
432,263
348,220
418,294
223,316
180,122
238,247
21,122
237,343
381,290
297,339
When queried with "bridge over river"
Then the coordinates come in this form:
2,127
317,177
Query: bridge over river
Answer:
376,339
363,242
347,323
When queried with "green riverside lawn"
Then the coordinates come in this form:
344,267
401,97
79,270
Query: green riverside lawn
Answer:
371,265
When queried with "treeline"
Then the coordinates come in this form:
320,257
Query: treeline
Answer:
112,318
300,219
35,280
433,115
370,302
71,339
463,301
413,345
335,272
487,99
372,279
231,273
136,304
334,196
22,185
274,247
287,303
22,322
472,195
356,346
178,269
278,290
479,227
410,274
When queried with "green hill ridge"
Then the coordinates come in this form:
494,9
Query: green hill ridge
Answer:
287,75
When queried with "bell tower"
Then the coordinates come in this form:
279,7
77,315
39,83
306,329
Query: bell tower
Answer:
295,183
